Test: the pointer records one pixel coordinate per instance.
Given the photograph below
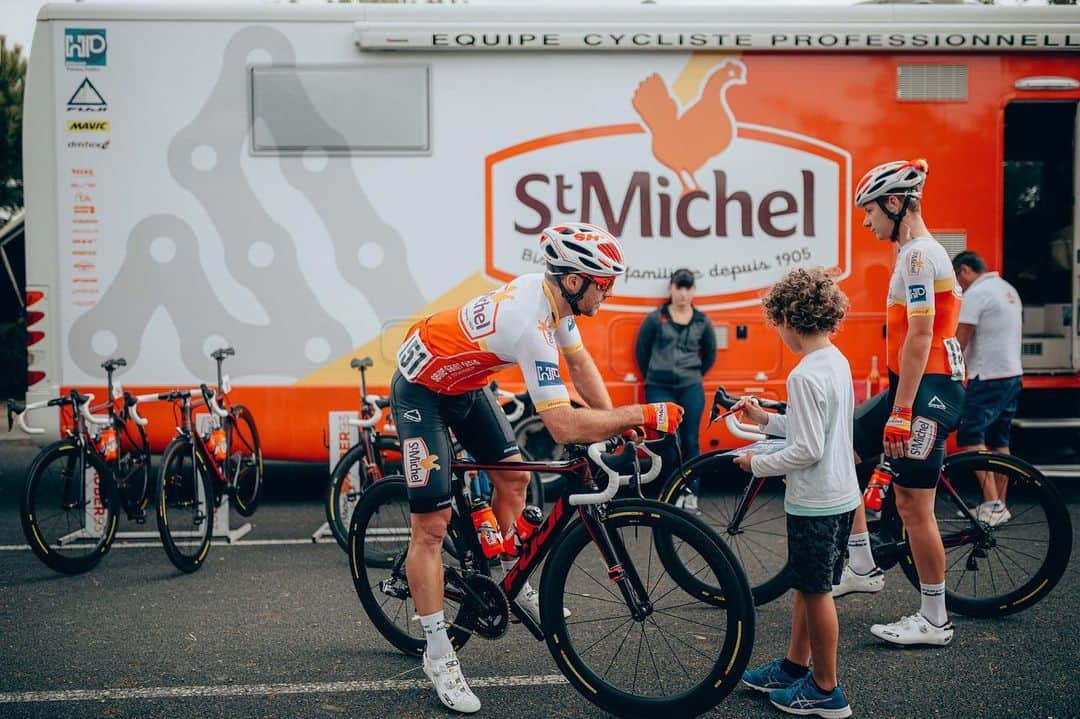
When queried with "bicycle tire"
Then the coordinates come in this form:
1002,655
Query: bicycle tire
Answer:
342,495
722,658
36,512
759,542
180,505
390,496
1031,551
134,465
244,467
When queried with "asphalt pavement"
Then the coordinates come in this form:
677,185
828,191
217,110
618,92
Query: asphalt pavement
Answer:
271,627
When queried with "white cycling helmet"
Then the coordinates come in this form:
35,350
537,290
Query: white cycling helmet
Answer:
580,247
904,178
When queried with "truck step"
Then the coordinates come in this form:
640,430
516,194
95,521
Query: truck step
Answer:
1062,471
1046,422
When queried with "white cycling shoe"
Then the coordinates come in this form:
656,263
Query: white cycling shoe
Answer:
529,601
851,582
454,692
915,629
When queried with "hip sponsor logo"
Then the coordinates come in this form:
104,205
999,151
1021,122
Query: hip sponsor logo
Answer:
916,294
88,126
687,180
923,434
419,463
547,374
85,48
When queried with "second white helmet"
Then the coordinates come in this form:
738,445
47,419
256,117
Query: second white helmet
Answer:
902,177
581,247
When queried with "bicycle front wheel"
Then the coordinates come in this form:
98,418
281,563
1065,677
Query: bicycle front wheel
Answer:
69,508
683,655
185,514
347,482
758,537
1007,564
244,467
379,536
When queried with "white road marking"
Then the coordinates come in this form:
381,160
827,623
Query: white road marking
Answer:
120,544
248,690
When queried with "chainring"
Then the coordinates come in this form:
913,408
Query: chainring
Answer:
487,602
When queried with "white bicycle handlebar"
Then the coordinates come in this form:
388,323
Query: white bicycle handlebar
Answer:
518,406
615,480
743,430
376,413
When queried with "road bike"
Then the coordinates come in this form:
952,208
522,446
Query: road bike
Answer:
76,487
200,468
989,570
378,453
639,639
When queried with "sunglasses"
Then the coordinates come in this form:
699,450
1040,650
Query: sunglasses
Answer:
602,283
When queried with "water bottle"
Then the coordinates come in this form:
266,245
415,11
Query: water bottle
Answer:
531,518
217,443
487,529
878,486
107,444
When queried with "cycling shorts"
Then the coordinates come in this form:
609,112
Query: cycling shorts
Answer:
424,419
934,415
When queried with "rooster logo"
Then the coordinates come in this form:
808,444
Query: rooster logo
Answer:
430,462
684,143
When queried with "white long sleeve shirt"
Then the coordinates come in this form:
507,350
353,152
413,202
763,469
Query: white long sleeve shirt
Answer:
817,455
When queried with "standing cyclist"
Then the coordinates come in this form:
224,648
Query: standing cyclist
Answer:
926,393
444,366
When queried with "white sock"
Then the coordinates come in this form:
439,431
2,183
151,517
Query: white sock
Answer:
933,603
507,565
438,643
860,559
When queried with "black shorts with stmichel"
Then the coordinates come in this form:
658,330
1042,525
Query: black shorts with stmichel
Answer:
935,414
817,550
424,419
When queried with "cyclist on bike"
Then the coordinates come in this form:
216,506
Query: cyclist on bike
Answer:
444,366
924,399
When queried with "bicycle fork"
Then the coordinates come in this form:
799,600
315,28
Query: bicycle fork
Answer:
621,570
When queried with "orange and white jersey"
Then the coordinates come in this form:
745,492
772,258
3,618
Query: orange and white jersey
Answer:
923,283
457,350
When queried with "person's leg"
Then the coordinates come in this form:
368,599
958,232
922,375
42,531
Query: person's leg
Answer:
423,563
799,649
692,399
916,508
823,632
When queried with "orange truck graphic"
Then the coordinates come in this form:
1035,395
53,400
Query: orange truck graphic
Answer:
328,182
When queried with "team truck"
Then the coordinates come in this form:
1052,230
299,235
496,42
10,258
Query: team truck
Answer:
303,182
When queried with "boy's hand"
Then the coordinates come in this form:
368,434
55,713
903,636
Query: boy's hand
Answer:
743,460
750,410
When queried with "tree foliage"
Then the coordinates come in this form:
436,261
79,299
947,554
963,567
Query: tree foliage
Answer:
12,84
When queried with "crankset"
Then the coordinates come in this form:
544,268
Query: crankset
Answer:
483,598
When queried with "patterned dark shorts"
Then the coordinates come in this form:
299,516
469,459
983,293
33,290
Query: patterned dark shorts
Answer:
817,550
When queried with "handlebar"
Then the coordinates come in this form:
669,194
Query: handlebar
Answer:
17,411
514,407
725,401
608,456
376,403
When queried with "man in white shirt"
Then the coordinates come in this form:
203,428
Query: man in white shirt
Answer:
991,319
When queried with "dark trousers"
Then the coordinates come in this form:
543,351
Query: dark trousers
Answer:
692,399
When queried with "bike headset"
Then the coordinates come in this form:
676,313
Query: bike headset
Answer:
580,249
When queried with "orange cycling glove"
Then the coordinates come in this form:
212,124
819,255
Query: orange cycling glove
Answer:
898,428
662,416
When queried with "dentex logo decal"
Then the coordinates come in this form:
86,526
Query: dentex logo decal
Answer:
663,162
86,98
84,47
88,126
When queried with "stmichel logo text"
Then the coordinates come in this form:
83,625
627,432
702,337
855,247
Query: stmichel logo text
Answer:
84,48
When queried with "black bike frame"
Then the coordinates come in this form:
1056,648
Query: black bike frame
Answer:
536,547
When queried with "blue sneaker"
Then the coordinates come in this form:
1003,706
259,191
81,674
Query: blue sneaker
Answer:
804,698
769,677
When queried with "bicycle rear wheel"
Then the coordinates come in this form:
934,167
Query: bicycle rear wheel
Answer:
992,571
244,467
185,514
758,539
134,479
685,655
379,536
68,527
347,482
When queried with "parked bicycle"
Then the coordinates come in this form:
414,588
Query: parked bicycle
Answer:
76,487
989,570
639,641
199,469
378,454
